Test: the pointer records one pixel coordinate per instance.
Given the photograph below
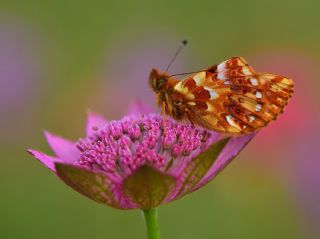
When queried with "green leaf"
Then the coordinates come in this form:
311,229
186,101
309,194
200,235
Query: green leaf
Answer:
198,167
148,187
95,186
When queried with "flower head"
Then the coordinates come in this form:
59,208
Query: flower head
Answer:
140,161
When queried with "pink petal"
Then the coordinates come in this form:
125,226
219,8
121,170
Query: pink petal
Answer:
139,107
197,168
230,151
46,160
94,121
64,149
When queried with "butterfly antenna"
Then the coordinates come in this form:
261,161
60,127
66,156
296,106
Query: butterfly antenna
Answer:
187,73
182,44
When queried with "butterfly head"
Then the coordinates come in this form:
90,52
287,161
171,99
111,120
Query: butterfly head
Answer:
158,81
162,84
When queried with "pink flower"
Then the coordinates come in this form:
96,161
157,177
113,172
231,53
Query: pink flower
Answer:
139,161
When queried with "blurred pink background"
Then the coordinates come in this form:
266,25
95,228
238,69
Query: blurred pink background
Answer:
58,59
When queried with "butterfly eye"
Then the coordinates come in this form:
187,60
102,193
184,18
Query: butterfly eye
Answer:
159,83
156,80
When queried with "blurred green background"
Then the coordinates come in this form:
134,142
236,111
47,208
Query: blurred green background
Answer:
59,58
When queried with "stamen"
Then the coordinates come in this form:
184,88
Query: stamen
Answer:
123,146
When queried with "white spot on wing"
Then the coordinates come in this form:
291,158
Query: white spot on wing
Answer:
231,122
251,118
198,78
179,87
258,94
258,107
213,94
229,119
254,81
221,76
191,103
221,67
246,71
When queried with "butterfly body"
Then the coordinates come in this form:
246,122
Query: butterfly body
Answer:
229,97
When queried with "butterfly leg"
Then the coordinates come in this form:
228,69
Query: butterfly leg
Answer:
190,119
164,116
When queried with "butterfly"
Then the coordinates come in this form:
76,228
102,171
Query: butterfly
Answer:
230,97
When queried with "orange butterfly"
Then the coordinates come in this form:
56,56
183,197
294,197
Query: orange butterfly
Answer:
229,97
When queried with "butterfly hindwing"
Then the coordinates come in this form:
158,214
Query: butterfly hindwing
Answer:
232,97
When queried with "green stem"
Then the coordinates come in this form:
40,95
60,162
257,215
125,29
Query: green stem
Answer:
150,216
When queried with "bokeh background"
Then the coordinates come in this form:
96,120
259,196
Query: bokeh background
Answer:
59,58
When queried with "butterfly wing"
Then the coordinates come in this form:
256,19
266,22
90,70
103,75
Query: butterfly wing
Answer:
231,97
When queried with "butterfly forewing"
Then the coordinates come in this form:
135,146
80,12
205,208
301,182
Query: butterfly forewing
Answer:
231,97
